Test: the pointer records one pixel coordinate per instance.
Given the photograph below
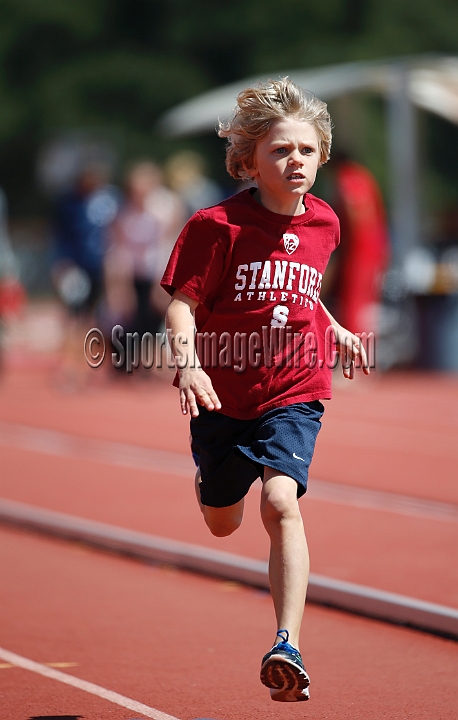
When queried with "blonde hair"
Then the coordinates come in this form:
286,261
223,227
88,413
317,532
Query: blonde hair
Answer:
257,108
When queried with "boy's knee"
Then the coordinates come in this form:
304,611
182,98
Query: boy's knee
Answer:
223,521
222,529
279,505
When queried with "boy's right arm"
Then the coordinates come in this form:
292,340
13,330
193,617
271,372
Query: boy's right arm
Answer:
195,385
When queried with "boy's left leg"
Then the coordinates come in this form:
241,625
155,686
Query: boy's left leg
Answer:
288,574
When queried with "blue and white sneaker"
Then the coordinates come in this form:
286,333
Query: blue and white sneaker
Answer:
282,670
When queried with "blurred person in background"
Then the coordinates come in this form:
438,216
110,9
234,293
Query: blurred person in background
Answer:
186,175
12,295
81,219
353,285
139,245
171,213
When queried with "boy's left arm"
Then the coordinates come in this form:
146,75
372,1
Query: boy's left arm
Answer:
349,346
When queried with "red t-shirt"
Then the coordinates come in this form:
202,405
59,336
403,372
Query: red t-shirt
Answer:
257,276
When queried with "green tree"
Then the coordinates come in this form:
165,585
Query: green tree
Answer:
118,64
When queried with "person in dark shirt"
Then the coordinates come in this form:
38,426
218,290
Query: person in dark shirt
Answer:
81,221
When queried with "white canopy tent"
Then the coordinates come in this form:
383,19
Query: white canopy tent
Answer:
429,82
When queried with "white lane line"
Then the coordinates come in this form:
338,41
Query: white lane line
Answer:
60,444
88,687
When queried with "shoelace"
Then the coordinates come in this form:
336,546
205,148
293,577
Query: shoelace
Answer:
280,635
284,635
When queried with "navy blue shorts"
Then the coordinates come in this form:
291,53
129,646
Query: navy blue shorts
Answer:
232,453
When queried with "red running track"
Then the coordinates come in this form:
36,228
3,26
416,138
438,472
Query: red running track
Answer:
114,617
191,647
410,555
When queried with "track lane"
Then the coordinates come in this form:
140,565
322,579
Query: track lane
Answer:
393,433
191,646
349,658
412,556
134,457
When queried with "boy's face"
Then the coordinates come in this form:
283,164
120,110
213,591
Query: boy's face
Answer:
285,164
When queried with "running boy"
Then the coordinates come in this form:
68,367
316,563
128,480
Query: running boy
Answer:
250,269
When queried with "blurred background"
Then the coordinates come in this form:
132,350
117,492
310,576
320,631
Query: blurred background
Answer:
98,173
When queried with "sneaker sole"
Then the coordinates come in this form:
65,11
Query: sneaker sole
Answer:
287,681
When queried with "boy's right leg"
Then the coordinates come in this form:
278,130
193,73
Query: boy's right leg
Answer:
221,521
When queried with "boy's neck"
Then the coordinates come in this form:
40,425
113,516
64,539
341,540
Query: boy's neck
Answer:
294,207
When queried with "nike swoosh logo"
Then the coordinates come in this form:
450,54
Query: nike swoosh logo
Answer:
297,457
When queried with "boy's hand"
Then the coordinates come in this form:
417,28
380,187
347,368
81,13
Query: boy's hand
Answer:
350,348
196,387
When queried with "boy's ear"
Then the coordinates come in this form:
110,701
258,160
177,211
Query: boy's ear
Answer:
249,167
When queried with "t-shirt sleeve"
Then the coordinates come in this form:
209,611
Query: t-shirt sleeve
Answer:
197,260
